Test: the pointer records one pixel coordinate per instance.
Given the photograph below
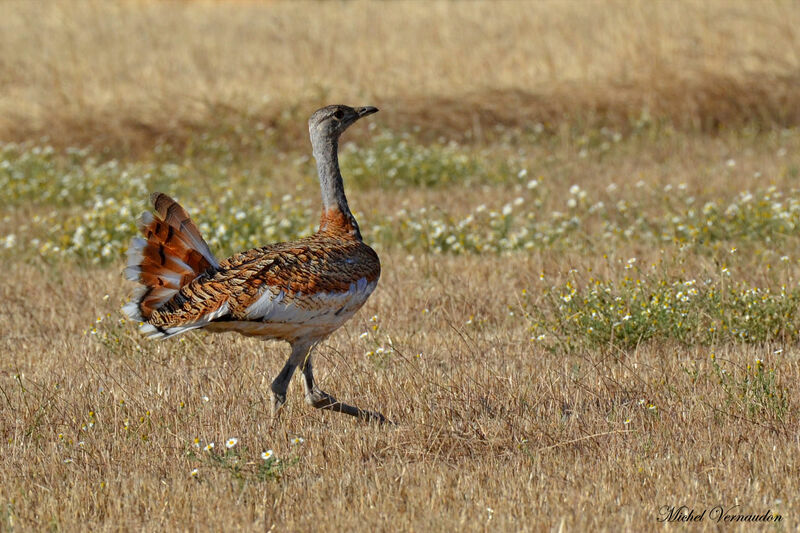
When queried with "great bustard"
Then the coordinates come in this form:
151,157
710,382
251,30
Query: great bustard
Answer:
299,291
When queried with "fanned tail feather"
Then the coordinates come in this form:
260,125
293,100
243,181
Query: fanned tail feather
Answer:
171,255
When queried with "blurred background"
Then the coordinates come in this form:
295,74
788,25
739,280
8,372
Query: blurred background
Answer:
131,73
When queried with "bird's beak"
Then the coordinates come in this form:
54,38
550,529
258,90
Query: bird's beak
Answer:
364,111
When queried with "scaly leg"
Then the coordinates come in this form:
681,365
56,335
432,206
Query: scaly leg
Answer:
279,387
281,383
323,400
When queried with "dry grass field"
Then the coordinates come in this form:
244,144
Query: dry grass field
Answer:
587,216
121,73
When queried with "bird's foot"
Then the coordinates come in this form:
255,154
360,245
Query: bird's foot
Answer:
322,400
375,416
277,402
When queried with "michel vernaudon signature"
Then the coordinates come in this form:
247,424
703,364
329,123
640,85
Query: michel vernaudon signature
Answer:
718,513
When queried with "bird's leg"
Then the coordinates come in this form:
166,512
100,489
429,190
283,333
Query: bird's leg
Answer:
300,351
322,400
280,385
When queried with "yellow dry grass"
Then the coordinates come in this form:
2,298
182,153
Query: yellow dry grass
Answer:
126,73
493,431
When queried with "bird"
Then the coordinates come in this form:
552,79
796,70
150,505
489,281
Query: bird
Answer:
298,292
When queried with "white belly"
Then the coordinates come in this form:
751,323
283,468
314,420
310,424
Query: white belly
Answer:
277,315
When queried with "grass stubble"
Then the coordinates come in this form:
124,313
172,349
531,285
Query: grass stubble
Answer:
510,413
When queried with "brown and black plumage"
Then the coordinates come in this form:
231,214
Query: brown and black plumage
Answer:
299,291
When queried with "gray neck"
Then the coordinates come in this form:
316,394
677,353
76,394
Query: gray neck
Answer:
326,152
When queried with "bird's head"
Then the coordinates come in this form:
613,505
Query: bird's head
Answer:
330,121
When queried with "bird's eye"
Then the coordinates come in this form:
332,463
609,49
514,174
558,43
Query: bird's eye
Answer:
338,114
